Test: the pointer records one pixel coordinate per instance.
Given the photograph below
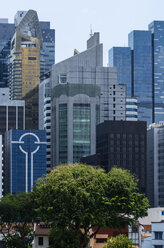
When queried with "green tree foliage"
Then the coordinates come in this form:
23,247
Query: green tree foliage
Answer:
75,198
63,238
121,241
17,214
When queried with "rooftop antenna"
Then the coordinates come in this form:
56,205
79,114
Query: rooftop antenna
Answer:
91,34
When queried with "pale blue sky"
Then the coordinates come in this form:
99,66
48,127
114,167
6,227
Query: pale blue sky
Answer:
72,19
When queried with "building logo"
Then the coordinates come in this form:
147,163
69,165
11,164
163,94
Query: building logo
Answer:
29,149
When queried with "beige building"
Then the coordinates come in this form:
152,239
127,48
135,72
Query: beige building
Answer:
25,56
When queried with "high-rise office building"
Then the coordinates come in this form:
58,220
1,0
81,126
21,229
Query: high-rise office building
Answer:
25,56
45,115
121,58
121,144
75,113
47,53
140,43
134,65
87,68
147,70
6,34
157,30
12,112
47,57
7,30
155,165
79,72
24,160
31,108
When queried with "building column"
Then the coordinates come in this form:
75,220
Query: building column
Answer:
70,129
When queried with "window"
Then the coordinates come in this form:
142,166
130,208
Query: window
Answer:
162,212
101,240
31,58
40,240
158,235
62,78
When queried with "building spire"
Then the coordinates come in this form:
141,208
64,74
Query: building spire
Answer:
91,33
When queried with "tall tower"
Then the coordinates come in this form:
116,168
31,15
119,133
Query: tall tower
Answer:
25,56
157,29
6,34
77,106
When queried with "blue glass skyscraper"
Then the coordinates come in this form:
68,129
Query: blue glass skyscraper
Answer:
140,43
121,58
138,62
6,33
157,29
48,51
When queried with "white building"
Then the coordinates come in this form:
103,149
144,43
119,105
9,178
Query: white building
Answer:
131,109
45,115
154,215
157,238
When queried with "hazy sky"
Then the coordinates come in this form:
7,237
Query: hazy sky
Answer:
114,19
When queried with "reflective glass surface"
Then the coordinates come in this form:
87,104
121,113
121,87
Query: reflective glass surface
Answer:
81,131
142,81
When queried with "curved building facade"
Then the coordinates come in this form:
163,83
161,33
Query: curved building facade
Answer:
75,111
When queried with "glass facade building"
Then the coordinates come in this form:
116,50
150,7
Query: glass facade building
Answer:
48,49
75,111
157,30
147,70
25,159
12,112
81,131
140,43
120,57
155,165
6,33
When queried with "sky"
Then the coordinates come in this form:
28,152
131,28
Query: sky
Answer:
72,20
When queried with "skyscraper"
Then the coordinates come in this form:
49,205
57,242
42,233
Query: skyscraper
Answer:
122,59
121,144
47,53
47,57
71,79
12,112
45,114
134,65
157,30
140,43
25,56
7,30
147,70
6,34
75,113
155,165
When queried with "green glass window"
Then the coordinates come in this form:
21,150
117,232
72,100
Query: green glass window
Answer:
81,131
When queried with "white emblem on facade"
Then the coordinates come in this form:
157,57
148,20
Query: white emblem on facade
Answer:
27,154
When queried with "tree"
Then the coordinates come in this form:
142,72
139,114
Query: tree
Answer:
120,241
77,197
17,214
